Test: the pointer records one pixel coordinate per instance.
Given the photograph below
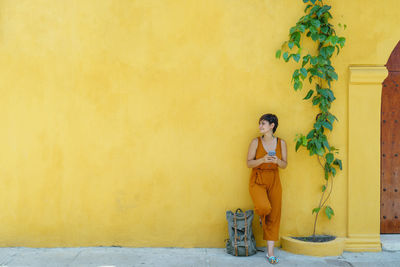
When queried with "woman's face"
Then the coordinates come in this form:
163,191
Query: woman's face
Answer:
265,126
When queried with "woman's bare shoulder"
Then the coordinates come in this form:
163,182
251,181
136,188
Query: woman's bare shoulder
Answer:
254,142
282,141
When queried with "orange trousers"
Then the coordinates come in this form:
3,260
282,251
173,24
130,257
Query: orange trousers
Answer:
266,192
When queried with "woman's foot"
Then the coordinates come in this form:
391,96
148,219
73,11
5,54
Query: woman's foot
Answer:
272,259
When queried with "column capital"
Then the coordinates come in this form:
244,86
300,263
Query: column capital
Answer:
367,74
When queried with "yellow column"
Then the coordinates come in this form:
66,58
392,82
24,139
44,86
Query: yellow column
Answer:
365,89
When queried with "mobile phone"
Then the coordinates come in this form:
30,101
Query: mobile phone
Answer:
271,153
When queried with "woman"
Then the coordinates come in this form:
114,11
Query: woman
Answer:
266,154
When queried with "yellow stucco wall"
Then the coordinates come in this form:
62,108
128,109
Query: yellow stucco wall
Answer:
128,122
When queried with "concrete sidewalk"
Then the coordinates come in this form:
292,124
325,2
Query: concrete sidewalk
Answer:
179,257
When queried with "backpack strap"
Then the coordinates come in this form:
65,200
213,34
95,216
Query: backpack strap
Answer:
235,225
245,235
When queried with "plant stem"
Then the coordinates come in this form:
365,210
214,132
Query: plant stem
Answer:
323,203
320,201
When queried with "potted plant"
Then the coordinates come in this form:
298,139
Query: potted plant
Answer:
315,66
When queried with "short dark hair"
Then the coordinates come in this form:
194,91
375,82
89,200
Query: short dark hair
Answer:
271,118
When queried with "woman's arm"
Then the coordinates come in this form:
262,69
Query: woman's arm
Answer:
282,163
251,155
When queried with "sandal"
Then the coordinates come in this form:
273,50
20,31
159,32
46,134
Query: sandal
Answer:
272,259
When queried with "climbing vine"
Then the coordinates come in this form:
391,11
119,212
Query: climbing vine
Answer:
317,67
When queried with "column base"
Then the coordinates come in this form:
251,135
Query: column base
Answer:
358,243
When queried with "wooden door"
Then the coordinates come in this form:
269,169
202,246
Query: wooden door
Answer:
390,146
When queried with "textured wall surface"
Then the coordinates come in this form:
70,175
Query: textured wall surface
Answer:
128,122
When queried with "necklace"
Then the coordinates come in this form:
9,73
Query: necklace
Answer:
263,141
273,137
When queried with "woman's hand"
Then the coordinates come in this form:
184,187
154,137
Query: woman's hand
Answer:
270,159
274,159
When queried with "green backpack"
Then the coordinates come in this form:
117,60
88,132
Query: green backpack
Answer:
241,241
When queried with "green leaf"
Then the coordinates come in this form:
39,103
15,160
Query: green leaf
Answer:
296,57
291,44
316,23
333,75
326,169
329,158
313,29
278,53
295,74
329,212
326,144
330,49
286,56
322,37
323,10
314,61
307,7
314,9
303,72
323,188
323,92
334,40
327,93
320,73
327,51
324,29
341,41
323,52
320,151
297,85
310,134
328,40
338,49
316,100
317,144
314,36
309,94
324,105
327,125
331,118
322,61
304,141
327,15
298,144
316,210
338,162
305,60
296,37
